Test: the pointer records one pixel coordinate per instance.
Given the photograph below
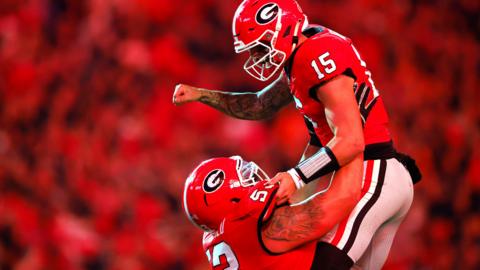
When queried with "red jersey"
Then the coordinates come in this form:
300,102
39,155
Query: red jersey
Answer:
237,244
324,55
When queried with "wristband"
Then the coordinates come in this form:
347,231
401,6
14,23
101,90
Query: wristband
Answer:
296,178
322,163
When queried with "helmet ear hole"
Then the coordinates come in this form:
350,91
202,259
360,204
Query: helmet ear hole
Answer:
235,200
287,31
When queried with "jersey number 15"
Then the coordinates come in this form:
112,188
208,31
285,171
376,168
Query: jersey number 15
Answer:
328,65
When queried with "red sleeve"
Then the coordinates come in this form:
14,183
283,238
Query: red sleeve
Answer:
322,58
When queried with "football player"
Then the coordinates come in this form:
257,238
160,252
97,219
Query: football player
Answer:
232,202
324,74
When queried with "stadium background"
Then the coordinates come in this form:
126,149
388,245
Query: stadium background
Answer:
93,154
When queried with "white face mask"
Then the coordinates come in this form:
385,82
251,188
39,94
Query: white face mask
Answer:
249,172
264,60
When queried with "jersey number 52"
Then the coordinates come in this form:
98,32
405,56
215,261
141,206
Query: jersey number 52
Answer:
219,250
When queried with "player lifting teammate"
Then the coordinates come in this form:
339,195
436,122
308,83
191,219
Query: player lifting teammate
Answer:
244,229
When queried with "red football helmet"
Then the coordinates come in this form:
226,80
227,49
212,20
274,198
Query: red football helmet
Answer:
269,30
216,187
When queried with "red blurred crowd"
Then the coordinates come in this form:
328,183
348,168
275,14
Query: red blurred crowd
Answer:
93,155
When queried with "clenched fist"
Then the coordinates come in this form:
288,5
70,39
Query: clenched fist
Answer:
185,93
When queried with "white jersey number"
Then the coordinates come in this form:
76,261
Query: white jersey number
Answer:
224,249
328,65
259,195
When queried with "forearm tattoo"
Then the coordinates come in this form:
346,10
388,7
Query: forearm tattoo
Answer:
295,223
249,106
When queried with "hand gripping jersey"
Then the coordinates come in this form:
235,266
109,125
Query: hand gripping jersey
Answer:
238,245
323,56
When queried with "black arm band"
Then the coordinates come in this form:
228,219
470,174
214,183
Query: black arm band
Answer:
322,163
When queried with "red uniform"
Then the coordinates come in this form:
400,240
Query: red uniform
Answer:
236,245
323,56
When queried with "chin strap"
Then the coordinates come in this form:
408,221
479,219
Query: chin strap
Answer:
295,36
278,27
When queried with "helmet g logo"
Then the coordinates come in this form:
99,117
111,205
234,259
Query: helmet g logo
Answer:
213,181
267,13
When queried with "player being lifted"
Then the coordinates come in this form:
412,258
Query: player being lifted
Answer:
332,88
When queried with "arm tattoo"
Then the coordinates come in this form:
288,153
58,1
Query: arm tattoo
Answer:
250,106
295,223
